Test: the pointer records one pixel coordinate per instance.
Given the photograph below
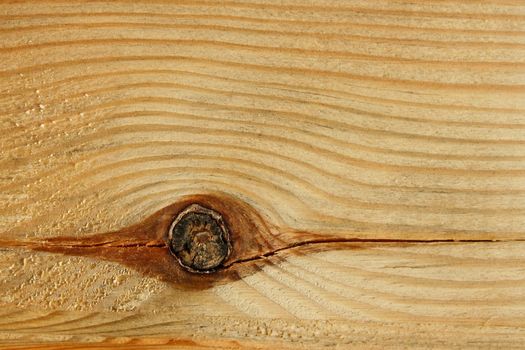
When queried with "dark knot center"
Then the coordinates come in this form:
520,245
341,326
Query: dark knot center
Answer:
199,238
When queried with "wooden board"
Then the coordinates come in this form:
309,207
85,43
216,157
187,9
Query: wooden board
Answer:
369,157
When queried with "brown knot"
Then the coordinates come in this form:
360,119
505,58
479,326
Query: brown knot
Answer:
199,238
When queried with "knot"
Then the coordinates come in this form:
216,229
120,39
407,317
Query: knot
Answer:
199,239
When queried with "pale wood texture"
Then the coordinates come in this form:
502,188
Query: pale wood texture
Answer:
371,120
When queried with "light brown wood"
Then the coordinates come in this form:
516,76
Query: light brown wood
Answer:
385,138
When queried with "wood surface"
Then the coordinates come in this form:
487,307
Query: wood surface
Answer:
368,155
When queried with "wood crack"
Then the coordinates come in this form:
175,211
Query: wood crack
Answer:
359,240
160,244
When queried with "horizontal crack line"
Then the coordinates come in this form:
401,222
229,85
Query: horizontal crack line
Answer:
359,240
108,244
161,244
122,244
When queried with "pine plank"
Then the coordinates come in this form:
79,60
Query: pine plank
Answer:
380,146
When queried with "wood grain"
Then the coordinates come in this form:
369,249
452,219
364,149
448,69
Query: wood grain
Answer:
379,147
432,295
